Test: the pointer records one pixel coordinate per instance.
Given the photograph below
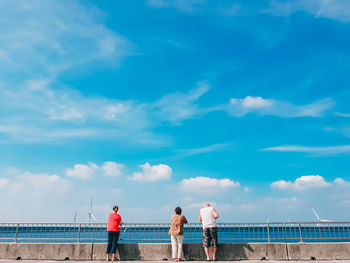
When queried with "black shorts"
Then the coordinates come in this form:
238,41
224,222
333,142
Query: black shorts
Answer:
210,236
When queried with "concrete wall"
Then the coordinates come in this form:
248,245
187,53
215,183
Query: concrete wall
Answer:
45,251
241,251
195,251
319,251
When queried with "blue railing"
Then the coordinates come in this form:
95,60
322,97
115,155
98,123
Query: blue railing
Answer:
158,232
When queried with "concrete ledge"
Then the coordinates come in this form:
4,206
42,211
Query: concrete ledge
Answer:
233,251
56,251
318,251
275,251
134,251
240,251
76,251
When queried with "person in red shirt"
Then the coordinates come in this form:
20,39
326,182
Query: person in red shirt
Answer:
114,221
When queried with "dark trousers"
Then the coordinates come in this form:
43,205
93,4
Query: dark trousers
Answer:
210,236
113,237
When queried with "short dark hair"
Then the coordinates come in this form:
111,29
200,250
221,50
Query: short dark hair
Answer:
178,210
115,208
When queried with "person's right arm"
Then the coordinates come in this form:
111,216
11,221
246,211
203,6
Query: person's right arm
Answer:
216,215
200,218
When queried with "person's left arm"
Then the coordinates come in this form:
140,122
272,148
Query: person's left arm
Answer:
120,222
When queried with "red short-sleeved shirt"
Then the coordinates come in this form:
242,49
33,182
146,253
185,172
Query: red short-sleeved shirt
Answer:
113,222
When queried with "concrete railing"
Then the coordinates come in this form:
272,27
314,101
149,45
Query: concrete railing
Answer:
227,251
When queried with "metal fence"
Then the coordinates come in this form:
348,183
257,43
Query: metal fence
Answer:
158,232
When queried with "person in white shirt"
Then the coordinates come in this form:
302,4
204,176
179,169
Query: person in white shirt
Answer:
208,216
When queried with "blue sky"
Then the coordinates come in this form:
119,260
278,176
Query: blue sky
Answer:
159,103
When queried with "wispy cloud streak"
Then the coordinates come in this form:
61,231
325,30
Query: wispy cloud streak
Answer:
188,6
328,150
202,150
261,106
334,9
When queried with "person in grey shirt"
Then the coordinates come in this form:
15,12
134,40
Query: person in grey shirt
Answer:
208,216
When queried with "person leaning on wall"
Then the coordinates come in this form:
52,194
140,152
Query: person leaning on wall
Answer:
177,233
208,216
114,221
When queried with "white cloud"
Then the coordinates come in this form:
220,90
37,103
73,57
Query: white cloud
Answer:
261,106
92,117
328,150
59,200
152,173
341,182
188,6
84,171
305,182
206,185
44,114
281,184
112,169
4,182
334,9
37,183
45,182
254,102
37,112
62,114
34,197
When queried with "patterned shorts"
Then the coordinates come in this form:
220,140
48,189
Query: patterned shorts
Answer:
210,236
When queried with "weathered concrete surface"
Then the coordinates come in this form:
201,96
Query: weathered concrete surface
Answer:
57,251
155,251
243,261
158,252
240,251
162,251
318,251
76,251
144,251
124,252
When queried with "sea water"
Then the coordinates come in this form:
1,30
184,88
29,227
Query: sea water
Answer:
159,234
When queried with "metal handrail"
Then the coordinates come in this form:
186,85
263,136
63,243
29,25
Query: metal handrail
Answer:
158,232
167,224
